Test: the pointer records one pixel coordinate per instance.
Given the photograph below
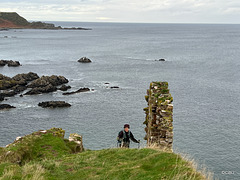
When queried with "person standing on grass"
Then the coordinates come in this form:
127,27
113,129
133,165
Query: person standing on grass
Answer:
124,137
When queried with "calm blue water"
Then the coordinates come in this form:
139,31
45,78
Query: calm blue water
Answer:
202,69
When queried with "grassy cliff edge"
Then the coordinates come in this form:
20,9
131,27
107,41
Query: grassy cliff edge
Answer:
50,156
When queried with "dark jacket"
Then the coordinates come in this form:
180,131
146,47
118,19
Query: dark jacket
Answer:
126,136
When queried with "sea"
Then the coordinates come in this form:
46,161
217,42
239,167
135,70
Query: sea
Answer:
202,68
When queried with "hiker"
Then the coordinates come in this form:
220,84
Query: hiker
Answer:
124,137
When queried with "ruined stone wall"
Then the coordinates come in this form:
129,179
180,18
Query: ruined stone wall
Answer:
159,127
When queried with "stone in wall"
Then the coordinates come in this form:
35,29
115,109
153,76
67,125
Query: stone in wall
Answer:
159,127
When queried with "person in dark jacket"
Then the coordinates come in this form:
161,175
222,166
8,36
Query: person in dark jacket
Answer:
124,137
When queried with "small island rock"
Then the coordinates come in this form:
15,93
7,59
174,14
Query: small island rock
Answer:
54,104
9,63
160,60
84,60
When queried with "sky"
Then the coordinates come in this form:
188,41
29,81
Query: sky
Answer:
138,11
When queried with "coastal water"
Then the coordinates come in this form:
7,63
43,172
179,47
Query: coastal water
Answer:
202,67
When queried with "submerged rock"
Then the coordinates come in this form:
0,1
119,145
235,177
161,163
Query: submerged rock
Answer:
78,91
54,104
160,60
6,106
84,60
114,87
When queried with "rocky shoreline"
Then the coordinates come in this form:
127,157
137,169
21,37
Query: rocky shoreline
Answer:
11,86
28,84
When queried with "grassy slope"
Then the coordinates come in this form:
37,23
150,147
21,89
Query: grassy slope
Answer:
49,157
14,18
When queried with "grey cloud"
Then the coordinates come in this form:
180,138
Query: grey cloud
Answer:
126,10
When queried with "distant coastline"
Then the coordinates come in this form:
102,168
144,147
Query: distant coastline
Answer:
12,20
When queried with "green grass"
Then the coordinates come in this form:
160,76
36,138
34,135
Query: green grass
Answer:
49,156
32,147
106,164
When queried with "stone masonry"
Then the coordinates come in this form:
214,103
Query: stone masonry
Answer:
159,127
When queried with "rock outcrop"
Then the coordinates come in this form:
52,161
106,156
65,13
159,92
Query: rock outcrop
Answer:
45,84
10,63
6,106
25,78
78,91
15,85
159,116
20,79
84,60
46,80
78,140
20,82
54,104
40,90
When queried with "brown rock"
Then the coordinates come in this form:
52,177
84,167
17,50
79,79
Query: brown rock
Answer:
46,80
84,60
54,104
40,90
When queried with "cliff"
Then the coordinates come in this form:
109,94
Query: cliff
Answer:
13,20
46,154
